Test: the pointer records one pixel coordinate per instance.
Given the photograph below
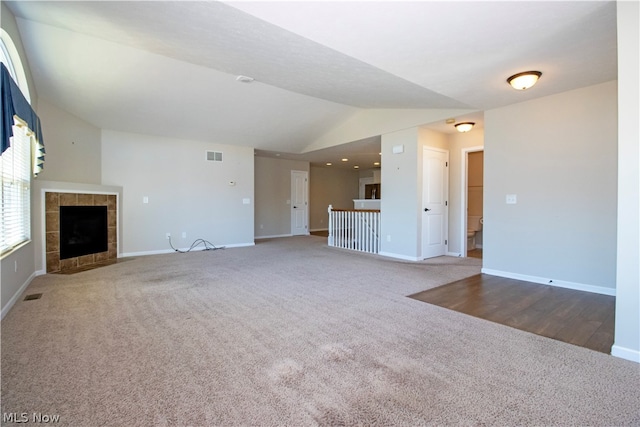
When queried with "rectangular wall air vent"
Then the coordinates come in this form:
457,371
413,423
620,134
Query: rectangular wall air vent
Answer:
214,156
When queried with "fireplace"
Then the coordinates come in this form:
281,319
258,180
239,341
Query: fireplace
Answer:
81,230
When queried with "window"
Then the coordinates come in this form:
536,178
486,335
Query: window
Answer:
15,169
11,59
15,163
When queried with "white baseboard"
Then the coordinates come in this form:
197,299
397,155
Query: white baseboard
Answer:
17,295
238,245
170,251
551,282
625,353
456,254
398,256
275,236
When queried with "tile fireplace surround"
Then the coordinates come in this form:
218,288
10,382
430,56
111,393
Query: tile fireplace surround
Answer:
53,201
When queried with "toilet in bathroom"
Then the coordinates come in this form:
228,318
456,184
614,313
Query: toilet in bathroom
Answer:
474,224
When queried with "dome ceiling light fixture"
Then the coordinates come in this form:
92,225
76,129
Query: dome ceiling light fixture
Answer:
524,80
465,126
244,79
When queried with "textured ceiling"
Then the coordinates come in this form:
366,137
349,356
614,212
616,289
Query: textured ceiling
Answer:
168,68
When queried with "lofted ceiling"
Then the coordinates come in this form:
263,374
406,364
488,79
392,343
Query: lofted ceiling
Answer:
169,68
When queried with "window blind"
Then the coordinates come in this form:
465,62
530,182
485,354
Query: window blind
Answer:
15,169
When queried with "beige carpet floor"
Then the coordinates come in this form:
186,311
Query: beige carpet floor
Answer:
290,332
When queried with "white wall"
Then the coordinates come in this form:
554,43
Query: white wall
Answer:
273,190
627,331
401,189
399,206
72,145
186,193
558,155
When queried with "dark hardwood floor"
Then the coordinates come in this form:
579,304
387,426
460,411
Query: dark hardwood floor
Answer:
475,253
580,318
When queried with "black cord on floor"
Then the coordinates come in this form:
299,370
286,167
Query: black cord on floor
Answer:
208,246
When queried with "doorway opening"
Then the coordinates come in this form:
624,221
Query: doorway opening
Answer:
472,202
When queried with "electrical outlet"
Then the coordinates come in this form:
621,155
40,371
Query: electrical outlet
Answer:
15,267
168,236
184,234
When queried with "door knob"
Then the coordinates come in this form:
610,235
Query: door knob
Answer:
427,209
295,207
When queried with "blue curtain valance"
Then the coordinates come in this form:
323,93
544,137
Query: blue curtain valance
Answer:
14,103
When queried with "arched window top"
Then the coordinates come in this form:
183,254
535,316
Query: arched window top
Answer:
11,59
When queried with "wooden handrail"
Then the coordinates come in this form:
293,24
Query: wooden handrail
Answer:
355,210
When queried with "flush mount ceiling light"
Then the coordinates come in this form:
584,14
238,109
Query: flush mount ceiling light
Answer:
525,80
465,126
244,79
345,160
329,163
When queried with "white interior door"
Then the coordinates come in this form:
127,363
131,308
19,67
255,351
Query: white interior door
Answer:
434,202
299,202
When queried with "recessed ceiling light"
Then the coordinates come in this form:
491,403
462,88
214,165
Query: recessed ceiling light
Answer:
244,79
356,167
328,163
376,164
525,80
345,160
379,154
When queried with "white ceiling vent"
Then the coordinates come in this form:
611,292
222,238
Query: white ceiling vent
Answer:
214,156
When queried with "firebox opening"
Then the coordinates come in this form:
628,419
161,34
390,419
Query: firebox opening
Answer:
83,230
